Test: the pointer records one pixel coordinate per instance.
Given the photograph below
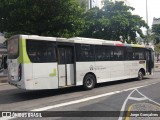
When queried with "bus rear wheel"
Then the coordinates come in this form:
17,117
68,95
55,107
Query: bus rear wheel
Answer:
140,75
89,82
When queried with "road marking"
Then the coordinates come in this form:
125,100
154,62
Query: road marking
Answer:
86,99
148,98
74,102
124,104
136,99
129,112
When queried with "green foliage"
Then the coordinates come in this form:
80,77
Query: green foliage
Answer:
156,29
157,48
68,18
156,33
112,21
84,4
59,18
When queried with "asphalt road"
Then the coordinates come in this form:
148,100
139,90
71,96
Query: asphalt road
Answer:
127,95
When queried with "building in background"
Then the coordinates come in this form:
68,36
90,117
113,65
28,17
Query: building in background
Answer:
156,21
94,3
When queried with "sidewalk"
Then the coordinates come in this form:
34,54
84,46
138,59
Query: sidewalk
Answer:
157,65
3,79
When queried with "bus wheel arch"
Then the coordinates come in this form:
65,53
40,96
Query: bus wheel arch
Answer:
89,81
141,74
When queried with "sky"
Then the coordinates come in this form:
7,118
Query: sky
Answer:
140,9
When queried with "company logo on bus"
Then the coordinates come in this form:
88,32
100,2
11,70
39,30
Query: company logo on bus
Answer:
91,67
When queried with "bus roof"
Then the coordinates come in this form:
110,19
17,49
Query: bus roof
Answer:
78,40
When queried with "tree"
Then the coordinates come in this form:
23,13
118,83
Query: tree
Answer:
156,29
156,32
157,50
112,21
59,18
84,4
156,37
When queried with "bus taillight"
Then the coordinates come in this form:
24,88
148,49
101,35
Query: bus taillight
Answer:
19,72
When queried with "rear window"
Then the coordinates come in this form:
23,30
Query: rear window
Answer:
13,48
41,51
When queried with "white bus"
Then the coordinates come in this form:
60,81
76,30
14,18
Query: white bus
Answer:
36,62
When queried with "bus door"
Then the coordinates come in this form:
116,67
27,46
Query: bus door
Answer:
66,65
149,61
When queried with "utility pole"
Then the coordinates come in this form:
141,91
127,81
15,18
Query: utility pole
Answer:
147,20
90,4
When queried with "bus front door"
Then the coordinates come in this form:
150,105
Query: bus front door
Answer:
149,61
66,66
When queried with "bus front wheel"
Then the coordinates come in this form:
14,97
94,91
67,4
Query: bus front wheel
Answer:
140,75
89,82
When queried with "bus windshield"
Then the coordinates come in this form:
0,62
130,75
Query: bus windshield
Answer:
13,48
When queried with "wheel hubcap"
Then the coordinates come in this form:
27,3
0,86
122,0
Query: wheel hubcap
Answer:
140,75
89,82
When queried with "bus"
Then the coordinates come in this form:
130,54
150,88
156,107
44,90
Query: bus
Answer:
37,62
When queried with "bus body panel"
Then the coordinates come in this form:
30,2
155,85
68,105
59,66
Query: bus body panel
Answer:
108,71
127,69
13,69
132,68
103,69
82,68
62,75
117,72
44,76
37,76
27,71
70,74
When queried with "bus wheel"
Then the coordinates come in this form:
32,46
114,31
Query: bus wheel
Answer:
89,82
140,75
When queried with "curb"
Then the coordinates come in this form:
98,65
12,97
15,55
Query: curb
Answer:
3,80
3,84
157,65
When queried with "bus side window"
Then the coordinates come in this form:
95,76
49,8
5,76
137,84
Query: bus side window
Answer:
129,53
85,52
118,54
41,51
112,55
139,54
102,53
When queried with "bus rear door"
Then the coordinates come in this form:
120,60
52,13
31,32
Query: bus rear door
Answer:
66,65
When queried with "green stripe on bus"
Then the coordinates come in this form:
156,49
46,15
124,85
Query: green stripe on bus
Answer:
54,73
23,57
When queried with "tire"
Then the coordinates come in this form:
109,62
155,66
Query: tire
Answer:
89,82
140,75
